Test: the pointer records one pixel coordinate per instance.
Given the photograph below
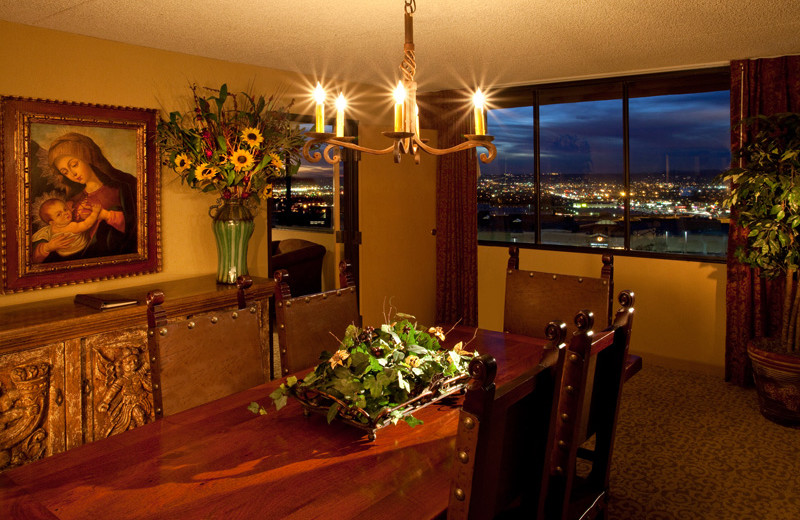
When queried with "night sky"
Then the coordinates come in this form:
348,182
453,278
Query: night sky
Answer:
586,138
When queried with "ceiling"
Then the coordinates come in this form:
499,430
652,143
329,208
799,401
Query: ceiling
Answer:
458,42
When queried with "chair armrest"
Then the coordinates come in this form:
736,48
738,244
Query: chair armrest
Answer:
282,260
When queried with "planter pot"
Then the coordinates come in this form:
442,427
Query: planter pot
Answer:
233,227
777,379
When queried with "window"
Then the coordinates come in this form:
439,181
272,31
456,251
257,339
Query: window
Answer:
305,200
626,164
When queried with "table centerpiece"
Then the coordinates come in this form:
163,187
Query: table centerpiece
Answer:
380,376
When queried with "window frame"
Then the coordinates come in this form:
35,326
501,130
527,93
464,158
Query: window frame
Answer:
349,170
641,85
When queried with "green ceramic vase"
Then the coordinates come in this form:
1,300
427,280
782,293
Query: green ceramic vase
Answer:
233,226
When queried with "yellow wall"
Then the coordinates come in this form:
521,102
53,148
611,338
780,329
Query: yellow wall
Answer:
397,211
680,306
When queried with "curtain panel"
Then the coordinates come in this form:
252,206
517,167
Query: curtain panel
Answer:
753,305
456,209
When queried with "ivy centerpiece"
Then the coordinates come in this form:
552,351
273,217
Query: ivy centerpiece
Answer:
380,376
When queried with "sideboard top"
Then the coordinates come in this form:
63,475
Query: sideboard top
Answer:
60,319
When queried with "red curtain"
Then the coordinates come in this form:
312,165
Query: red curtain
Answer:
456,209
762,86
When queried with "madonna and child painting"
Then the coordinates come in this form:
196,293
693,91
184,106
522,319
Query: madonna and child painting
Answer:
85,206
81,189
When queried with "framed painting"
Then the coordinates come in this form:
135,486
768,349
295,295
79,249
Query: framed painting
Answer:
80,193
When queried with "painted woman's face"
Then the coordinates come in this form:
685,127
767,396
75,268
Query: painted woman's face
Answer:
74,169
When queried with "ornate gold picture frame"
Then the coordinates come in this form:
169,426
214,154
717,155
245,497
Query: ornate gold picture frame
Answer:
79,200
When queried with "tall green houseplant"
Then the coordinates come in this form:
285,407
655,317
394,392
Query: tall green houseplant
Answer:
765,189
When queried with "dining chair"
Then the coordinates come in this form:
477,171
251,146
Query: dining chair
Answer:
310,324
532,298
206,356
588,405
505,437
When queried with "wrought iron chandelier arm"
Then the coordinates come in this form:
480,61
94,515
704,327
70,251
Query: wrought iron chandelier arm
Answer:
330,153
484,142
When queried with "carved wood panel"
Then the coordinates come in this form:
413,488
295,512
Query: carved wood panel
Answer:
32,423
117,386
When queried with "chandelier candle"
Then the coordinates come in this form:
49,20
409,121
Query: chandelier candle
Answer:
340,106
480,114
399,106
319,97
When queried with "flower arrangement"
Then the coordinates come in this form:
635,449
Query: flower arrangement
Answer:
232,143
380,376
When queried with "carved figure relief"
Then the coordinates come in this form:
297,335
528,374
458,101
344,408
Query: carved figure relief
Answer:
128,395
23,406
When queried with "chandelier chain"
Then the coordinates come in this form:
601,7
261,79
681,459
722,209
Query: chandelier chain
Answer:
411,6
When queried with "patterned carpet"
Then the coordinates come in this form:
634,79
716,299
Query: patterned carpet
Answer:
690,446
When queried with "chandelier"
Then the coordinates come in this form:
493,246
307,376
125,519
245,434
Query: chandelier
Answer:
405,135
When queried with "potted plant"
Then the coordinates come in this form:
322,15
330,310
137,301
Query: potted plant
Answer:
234,144
765,190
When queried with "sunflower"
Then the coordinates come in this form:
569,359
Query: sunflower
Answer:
205,172
266,192
252,136
276,161
182,162
242,160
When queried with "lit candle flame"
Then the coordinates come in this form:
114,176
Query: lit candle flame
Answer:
399,93
319,94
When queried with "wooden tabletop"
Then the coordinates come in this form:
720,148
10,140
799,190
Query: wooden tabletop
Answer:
220,460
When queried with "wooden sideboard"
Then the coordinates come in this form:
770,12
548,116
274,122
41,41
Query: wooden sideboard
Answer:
70,374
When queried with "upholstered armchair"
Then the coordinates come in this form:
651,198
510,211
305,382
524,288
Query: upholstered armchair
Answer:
303,260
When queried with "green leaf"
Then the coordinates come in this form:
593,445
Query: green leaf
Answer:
454,358
291,380
375,364
402,382
359,362
332,411
416,349
373,386
412,421
254,407
279,398
347,387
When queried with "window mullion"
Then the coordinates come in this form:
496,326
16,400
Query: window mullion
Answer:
536,168
626,150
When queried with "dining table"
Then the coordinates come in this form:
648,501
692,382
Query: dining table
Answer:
221,460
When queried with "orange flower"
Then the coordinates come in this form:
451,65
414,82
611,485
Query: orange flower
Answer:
459,349
437,331
338,357
412,361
